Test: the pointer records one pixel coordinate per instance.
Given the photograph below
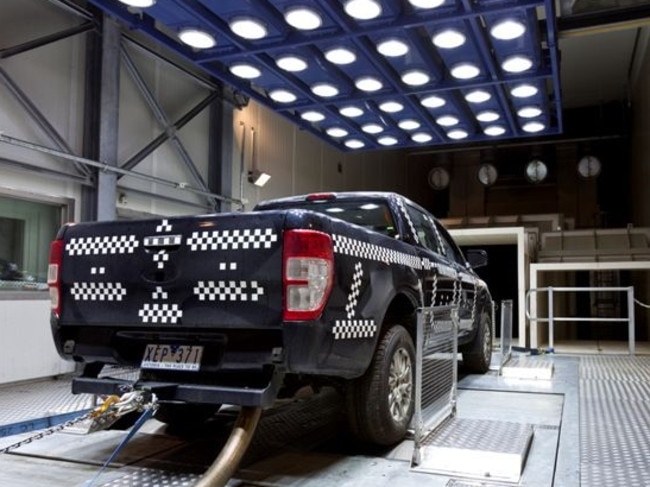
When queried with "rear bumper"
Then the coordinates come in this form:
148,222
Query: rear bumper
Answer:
263,396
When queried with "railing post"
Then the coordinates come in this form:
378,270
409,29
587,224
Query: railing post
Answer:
550,317
630,319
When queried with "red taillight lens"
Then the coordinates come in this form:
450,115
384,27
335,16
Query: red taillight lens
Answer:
54,275
308,263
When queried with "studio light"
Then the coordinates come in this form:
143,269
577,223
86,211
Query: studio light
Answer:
248,28
258,178
303,18
245,71
197,38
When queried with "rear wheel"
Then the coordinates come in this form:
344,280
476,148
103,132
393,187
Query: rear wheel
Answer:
380,403
477,358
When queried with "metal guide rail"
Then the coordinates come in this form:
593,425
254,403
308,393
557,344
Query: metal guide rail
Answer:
436,372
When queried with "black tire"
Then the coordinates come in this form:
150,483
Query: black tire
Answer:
380,403
185,415
477,357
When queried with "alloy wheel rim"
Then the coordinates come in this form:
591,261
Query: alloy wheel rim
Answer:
400,383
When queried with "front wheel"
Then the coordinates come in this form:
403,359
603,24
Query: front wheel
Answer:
477,358
380,403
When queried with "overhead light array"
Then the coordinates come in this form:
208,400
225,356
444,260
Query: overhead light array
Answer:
374,73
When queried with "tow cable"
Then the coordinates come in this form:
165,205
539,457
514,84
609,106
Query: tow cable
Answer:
114,407
103,416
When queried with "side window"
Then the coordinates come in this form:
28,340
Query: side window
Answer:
425,229
451,250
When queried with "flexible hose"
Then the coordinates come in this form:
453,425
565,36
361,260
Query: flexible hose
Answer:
228,460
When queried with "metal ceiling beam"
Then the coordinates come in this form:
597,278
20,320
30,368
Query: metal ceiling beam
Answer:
73,7
38,117
162,119
49,173
164,137
107,168
7,52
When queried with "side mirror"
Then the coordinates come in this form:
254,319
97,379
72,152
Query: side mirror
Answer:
477,258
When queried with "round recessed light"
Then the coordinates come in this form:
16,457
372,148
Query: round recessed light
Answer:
533,127
312,116
368,83
325,90
487,116
508,29
408,124
387,140
391,106
248,28
336,132
372,128
354,144
517,64
524,91
433,101
197,38
494,130
529,112
392,47
426,3
351,111
478,96
282,96
363,9
421,137
415,77
291,63
303,18
245,71
449,39
340,55
447,120
457,134
139,3
465,71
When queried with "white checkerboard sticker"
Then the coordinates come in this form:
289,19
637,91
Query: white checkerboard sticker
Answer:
160,313
236,239
228,291
97,291
345,329
109,244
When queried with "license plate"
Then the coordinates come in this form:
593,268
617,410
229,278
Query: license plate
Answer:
172,357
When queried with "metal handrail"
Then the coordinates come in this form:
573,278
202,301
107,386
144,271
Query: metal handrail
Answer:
552,319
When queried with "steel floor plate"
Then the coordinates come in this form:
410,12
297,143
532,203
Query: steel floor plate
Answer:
591,422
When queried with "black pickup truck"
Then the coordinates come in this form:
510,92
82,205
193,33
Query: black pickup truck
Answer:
239,308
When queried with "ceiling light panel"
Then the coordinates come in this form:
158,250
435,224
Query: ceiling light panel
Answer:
350,64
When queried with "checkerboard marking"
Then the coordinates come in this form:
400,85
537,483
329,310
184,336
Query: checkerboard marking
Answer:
227,266
160,258
159,293
97,270
160,313
164,226
353,297
228,291
109,244
235,239
364,250
345,329
97,291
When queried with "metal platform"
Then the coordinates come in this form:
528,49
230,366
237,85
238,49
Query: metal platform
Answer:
527,367
590,423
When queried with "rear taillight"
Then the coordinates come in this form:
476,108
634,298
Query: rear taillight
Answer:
308,263
54,275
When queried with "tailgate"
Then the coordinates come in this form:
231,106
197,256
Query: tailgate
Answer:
213,271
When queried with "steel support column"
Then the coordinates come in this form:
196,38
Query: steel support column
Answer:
220,150
109,118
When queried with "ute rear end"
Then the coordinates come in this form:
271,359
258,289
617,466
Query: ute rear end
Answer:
194,300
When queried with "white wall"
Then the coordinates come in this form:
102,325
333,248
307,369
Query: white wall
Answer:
27,348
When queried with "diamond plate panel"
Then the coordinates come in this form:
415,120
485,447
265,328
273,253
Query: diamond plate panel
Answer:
528,368
157,478
615,421
478,434
39,399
